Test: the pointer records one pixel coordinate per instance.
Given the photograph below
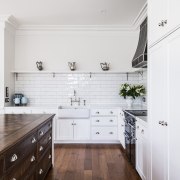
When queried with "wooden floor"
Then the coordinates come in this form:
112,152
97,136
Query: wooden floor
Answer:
91,162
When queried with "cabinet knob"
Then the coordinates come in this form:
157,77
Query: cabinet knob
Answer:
97,133
111,120
14,158
50,125
164,123
13,178
97,112
161,122
41,148
137,127
122,125
41,133
97,120
33,158
49,138
162,23
49,156
111,133
142,131
40,171
111,112
33,140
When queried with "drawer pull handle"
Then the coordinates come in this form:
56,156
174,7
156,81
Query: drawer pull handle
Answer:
49,138
14,158
111,133
33,140
111,120
33,158
97,133
97,112
111,112
50,156
41,148
97,120
40,171
41,133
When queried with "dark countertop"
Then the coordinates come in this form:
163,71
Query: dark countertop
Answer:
13,127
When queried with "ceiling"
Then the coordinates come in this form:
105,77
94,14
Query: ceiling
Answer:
73,12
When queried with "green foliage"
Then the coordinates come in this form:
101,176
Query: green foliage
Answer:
131,90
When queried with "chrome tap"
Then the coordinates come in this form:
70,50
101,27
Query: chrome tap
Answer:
75,99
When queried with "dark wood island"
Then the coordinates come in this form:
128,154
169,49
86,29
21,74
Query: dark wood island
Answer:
25,146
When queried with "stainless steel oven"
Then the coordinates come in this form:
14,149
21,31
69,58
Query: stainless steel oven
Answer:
130,133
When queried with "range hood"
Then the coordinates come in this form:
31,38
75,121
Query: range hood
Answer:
140,57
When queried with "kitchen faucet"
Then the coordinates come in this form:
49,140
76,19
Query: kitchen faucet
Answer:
75,99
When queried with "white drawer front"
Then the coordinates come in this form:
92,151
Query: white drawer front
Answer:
104,112
104,133
104,121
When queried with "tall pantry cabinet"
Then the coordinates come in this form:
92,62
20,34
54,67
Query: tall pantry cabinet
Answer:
164,91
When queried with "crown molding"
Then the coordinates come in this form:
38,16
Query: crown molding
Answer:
140,17
74,28
11,21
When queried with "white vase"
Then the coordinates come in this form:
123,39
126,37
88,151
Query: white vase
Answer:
129,101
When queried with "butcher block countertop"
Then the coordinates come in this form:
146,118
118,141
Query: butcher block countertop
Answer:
13,127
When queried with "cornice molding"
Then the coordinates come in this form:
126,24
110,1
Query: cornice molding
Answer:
74,28
11,21
140,17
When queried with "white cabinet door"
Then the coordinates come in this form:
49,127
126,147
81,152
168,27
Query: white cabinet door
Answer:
157,99
141,151
157,13
64,129
174,14
174,99
121,128
82,129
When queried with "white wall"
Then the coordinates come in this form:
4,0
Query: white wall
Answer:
9,53
1,65
7,42
87,48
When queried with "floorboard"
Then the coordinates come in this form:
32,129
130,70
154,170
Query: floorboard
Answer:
91,162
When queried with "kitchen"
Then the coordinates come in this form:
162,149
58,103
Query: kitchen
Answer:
89,90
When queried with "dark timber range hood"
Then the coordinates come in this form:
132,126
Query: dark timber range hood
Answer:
140,57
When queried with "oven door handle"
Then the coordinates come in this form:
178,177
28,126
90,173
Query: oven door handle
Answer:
131,125
126,136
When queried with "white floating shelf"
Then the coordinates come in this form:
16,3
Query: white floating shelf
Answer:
71,72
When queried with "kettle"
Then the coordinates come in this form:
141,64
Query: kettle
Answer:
72,65
104,66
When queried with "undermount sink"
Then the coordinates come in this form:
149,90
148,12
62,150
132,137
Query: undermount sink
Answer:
73,112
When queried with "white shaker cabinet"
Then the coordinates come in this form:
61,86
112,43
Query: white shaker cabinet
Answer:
64,129
157,26
158,110
82,129
72,129
163,18
173,46
142,150
164,98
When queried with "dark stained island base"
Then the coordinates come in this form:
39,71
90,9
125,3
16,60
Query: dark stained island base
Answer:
25,146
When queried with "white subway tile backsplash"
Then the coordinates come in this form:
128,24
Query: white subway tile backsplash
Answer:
46,90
